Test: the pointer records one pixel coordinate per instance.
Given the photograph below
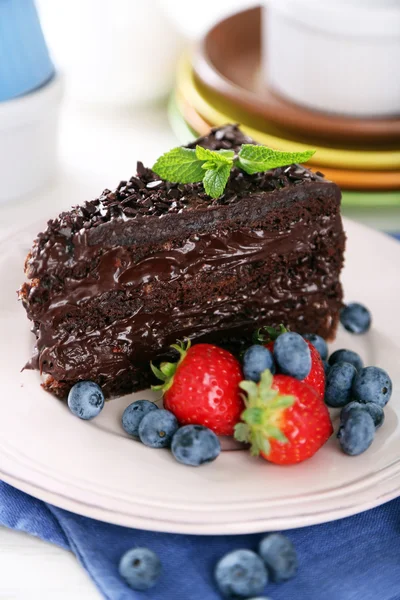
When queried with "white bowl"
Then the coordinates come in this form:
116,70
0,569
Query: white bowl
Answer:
339,56
28,140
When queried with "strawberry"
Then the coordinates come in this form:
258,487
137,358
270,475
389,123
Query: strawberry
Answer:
284,420
316,376
202,388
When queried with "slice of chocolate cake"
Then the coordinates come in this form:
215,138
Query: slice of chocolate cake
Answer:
111,284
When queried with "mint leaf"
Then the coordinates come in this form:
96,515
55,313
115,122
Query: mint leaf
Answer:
219,157
227,153
179,165
256,159
216,179
209,164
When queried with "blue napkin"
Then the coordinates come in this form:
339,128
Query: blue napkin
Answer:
357,558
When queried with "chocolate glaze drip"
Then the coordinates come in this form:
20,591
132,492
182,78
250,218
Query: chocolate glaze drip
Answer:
107,351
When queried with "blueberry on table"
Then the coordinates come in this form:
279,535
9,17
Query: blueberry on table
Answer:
241,574
372,384
339,383
356,318
346,356
195,445
292,355
257,359
134,413
157,428
357,432
86,400
279,556
319,343
140,568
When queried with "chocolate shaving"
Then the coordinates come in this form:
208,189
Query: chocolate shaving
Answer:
148,196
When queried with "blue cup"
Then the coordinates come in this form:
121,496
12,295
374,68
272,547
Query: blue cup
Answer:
25,63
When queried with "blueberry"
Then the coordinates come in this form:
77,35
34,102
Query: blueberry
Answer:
255,360
372,384
376,412
356,318
195,445
241,574
346,356
357,432
141,568
326,367
339,384
86,400
134,413
260,598
292,355
157,428
344,413
279,556
319,343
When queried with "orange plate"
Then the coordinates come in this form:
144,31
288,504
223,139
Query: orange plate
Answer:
345,178
228,64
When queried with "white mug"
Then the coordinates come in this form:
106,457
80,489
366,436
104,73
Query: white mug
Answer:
338,56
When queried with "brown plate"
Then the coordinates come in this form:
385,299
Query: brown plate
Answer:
348,179
228,63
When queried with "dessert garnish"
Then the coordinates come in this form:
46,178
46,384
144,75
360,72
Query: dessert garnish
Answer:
213,167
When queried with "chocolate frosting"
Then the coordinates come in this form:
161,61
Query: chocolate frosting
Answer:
113,348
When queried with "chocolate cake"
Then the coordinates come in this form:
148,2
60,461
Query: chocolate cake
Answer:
112,283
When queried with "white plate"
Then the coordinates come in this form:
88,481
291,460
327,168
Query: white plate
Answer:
94,469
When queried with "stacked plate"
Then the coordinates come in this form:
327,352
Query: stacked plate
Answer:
222,83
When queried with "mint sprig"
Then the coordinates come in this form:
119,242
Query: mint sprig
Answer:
213,167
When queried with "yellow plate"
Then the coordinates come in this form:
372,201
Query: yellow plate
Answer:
346,178
325,157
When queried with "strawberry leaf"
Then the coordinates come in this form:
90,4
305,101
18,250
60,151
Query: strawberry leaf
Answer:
242,432
276,434
267,334
168,369
282,402
158,373
263,414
